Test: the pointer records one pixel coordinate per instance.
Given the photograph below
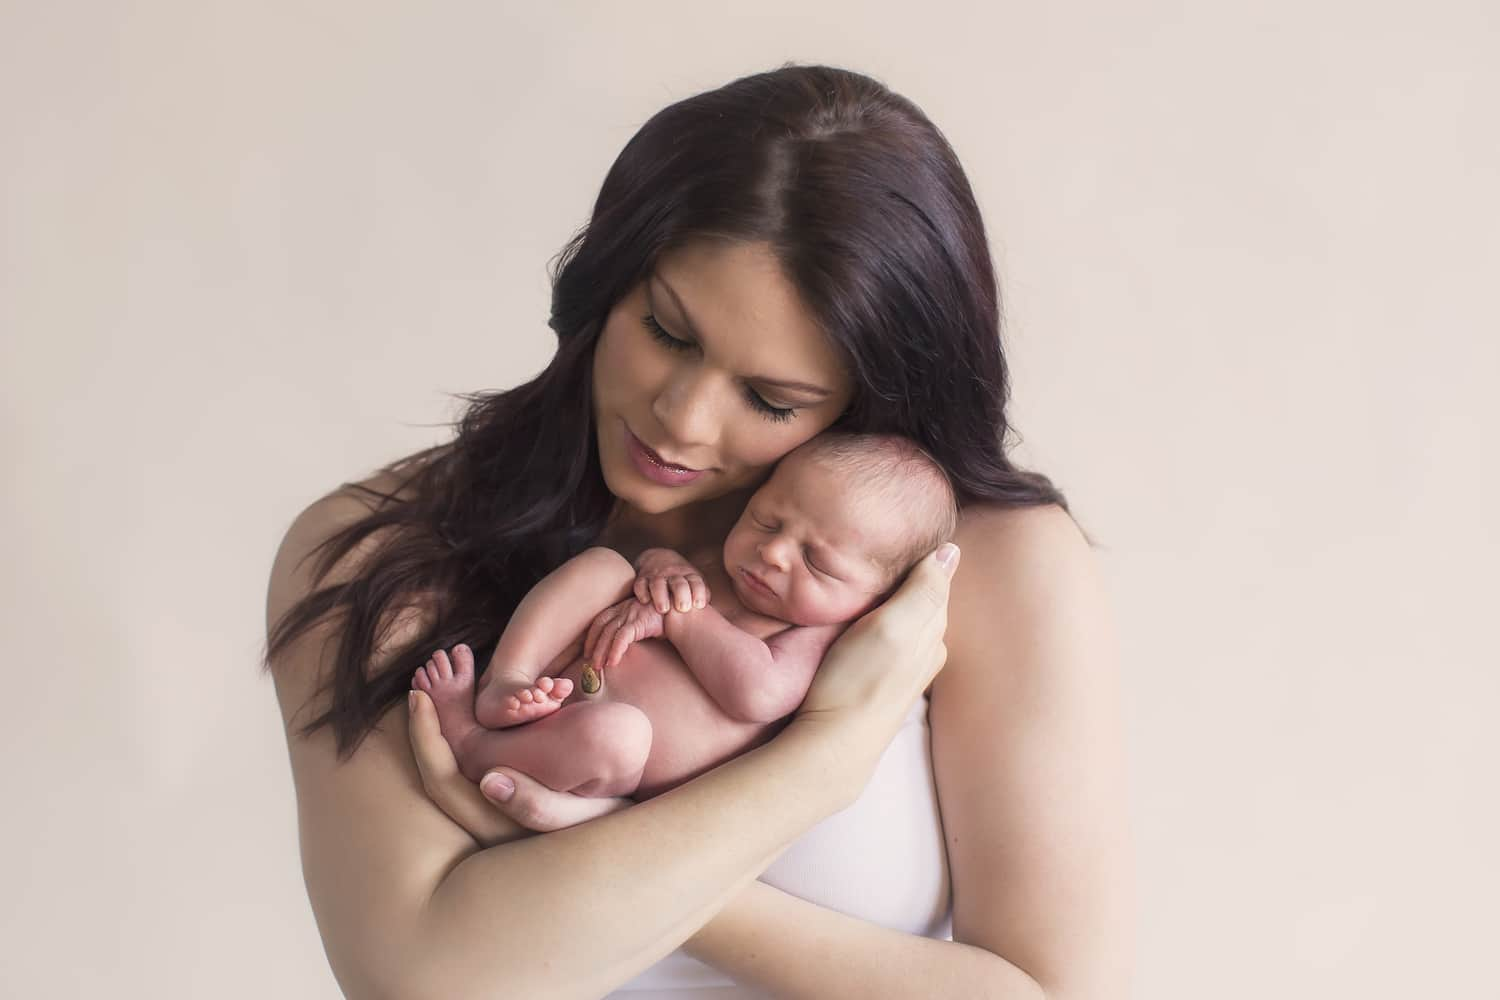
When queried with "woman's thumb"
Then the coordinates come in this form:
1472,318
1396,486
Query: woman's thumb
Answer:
922,600
931,576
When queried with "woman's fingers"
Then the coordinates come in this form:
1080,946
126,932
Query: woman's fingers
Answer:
642,592
536,807
454,794
918,610
891,654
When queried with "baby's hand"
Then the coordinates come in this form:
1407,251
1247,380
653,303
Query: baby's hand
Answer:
615,628
664,579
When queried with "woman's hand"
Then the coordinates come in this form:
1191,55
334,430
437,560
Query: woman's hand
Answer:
875,671
510,803
665,580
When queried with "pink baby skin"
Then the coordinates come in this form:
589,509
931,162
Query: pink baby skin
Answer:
823,541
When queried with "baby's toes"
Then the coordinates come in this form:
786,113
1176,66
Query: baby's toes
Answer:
463,659
442,669
561,688
420,679
542,693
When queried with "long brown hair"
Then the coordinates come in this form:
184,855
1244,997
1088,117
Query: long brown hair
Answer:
864,203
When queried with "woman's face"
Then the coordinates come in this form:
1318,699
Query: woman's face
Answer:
706,374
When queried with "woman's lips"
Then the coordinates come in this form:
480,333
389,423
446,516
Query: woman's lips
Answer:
655,468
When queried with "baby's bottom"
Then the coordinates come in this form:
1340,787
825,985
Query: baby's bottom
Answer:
587,748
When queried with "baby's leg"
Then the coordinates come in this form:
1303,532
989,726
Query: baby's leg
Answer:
553,616
450,683
588,748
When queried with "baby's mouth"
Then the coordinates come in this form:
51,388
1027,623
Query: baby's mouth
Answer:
756,583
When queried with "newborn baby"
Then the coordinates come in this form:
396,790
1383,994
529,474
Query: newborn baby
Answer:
574,698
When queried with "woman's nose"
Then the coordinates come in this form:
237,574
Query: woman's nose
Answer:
687,409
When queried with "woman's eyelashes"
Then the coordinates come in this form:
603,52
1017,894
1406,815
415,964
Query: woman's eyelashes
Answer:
664,338
757,402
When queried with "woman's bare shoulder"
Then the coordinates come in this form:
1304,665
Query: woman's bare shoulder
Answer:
1026,573
1017,543
300,669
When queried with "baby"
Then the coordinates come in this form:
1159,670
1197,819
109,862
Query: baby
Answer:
572,696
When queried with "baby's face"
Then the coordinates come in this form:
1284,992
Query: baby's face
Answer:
802,553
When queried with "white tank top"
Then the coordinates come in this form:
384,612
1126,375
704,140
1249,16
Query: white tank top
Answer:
882,860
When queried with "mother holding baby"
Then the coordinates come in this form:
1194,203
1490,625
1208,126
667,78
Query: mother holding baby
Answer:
794,252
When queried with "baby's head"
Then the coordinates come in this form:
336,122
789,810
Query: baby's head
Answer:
837,526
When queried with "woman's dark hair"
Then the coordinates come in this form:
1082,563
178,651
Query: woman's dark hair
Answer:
865,205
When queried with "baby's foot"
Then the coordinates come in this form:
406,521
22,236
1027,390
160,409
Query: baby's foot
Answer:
528,702
450,685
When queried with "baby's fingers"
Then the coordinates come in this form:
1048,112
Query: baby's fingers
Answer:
660,598
619,643
599,655
642,590
601,624
682,593
699,590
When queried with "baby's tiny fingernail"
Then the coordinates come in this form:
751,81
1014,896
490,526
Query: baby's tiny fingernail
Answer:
498,787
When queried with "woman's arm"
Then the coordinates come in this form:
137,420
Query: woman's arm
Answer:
1027,754
1025,724
407,907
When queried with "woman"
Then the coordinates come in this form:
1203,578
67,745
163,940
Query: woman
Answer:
795,251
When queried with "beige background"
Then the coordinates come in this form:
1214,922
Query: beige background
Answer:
1249,252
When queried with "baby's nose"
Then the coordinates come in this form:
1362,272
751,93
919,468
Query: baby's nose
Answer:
775,552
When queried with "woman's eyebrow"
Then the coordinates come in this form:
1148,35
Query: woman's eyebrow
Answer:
780,383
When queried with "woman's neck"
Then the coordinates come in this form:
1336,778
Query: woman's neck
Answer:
685,529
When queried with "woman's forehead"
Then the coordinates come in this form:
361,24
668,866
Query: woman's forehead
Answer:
737,302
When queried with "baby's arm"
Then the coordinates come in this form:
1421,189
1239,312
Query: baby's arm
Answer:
752,680
551,617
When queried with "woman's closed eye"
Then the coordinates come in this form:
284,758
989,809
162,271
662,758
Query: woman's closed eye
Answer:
757,402
664,338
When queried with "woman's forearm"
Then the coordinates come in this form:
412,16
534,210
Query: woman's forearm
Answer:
796,949
579,911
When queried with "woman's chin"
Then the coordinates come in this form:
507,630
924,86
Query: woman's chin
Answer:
645,497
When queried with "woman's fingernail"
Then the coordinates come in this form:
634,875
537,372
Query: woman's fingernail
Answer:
498,787
947,556
411,701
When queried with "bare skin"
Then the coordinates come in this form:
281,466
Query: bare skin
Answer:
412,872
657,721
727,673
